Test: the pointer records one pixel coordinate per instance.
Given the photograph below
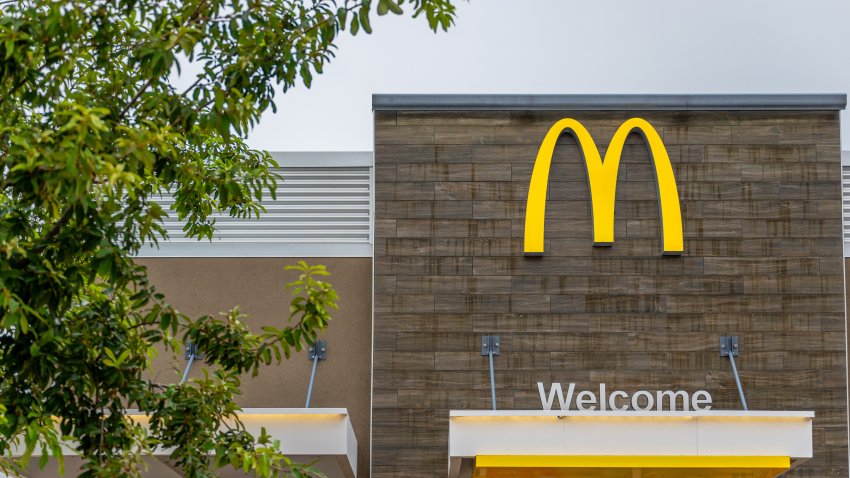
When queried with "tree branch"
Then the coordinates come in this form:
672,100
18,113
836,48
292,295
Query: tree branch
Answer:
195,15
56,229
134,99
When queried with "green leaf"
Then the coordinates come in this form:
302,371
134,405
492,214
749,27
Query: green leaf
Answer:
394,7
306,75
364,20
355,24
383,8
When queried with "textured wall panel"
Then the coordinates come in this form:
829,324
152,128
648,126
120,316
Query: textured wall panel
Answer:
761,205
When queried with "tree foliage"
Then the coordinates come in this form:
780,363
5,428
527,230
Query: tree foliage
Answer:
93,127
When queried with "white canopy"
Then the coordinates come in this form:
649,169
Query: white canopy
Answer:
566,444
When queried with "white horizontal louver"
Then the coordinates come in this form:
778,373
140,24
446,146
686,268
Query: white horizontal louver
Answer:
322,208
845,199
313,204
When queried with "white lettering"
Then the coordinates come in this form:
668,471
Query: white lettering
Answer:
636,401
620,401
612,400
570,390
602,397
672,397
586,401
702,400
556,391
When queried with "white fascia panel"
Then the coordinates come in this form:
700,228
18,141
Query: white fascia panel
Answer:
566,433
303,431
312,433
305,434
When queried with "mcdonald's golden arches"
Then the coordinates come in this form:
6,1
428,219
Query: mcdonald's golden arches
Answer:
602,177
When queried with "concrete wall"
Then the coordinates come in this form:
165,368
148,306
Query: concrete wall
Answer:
200,286
761,205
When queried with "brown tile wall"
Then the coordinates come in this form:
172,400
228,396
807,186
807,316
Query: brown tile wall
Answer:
760,196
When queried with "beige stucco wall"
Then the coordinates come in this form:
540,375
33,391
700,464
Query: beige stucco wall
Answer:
211,285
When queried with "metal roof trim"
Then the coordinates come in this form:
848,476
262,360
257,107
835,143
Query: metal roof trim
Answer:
692,102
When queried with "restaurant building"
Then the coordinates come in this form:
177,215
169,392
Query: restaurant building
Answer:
754,252
554,286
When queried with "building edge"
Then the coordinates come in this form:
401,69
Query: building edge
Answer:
688,102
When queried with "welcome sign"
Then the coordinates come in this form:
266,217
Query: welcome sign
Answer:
620,401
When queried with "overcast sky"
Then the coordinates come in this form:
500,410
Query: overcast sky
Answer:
569,47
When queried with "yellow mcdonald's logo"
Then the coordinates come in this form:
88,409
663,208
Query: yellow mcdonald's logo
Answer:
602,176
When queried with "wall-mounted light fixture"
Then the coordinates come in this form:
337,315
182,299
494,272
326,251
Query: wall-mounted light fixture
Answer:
316,352
192,353
729,348
490,346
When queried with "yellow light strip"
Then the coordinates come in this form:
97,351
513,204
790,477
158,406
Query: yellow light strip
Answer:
608,461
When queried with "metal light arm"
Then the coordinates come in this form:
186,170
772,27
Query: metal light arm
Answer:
191,354
490,347
319,351
729,348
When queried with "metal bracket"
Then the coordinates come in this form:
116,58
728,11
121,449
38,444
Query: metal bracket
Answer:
729,348
490,343
489,348
729,344
317,351
320,347
192,351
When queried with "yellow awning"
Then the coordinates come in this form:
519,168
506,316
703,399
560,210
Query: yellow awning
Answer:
546,466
